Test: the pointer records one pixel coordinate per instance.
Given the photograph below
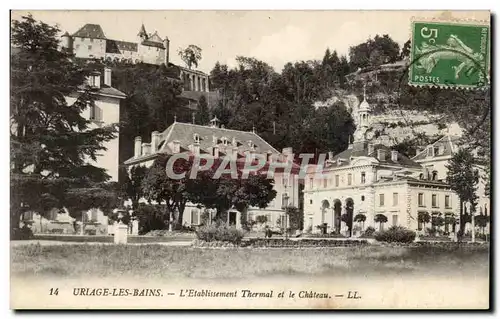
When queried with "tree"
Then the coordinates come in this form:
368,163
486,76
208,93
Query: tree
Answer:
51,142
381,219
190,55
463,179
159,188
481,221
374,52
437,221
203,112
296,217
131,184
405,51
360,218
424,218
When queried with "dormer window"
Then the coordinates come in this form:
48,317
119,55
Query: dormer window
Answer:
224,141
196,138
339,162
430,151
251,145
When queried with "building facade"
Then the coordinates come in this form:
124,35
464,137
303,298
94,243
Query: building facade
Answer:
371,185
216,141
104,111
90,42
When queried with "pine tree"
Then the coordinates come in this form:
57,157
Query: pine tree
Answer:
51,142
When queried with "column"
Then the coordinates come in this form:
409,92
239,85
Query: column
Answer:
191,82
343,225
196,83
207,89
238,219
120,233
135,227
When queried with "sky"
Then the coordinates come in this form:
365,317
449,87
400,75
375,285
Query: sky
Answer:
276,37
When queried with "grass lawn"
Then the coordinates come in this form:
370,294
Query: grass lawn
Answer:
156,261
110,238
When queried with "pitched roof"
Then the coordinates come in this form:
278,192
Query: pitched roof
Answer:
361,149
185,132
111,91
153,44
114,46
445,146
155,37
92,31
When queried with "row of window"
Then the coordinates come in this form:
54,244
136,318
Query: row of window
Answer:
337,180
434,200
395,199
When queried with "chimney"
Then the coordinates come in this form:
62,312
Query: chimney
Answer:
394,156
155,141
330,156
176,146
235,153
137,147
107,76
167,51
287,151
381,155
146,148
371,148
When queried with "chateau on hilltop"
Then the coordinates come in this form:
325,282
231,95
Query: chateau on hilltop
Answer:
90,42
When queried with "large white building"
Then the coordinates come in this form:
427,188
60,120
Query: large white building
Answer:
219,142
371,179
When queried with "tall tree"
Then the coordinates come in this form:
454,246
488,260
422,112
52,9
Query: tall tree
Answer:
203,112
463,178
131,184
190,55
51,142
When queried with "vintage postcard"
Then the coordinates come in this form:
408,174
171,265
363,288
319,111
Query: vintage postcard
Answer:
250,160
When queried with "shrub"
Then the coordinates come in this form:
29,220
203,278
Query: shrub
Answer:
369,231
396,234
219,232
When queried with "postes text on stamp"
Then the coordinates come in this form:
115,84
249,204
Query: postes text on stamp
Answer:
449,54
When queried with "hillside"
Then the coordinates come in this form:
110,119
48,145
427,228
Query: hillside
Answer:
393,122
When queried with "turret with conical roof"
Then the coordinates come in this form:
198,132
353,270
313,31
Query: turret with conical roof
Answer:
142,33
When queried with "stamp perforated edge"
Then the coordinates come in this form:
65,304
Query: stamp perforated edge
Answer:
450,20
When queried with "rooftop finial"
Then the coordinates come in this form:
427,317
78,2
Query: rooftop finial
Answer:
253,129
193,118
175,118
364,91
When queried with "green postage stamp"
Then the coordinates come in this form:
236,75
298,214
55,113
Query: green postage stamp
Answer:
450,54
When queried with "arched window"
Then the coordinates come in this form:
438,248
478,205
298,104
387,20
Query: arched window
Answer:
434,175
421,176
